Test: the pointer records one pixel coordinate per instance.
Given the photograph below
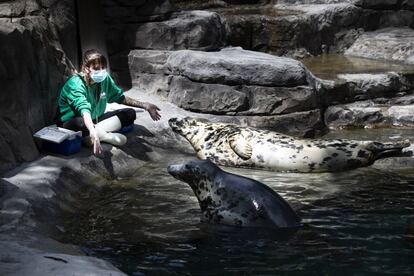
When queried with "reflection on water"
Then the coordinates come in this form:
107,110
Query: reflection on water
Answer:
354,223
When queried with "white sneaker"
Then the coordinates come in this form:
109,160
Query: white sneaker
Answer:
116,139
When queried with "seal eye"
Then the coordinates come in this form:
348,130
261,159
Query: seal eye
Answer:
187,167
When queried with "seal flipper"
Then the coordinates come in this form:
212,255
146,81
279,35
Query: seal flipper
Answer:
389,149
240,144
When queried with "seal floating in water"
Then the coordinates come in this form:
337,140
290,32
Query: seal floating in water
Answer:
232,145
234,200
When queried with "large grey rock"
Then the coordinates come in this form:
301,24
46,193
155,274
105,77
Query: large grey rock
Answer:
183,30
385,4
63,19
306,2
33,68
369,86
35,196
280,100
366,4
299,124
148,61
12,8
293,30
136,11
237,66
153,84
396,44
232,81
20,258
206,98
396,112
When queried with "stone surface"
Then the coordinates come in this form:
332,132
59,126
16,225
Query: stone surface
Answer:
232,81
237,66
280,100
395,44
365,86
35,196
366,4
395,112
299,28
118,11
63,19
183,30
18,258
206,98
32,82
293,30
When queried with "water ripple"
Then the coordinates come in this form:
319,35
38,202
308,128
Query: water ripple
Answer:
354,223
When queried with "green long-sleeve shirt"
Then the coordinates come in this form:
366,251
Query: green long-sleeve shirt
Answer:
77,98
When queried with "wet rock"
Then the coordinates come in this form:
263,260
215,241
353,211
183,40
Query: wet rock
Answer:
373,113
369,86
346,79
37,195
396,44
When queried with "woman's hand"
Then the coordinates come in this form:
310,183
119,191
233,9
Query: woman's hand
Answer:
153,111
97,149
151,108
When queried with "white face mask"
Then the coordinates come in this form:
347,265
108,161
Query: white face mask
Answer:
99,75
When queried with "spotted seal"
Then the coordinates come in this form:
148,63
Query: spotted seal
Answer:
233,145
234,200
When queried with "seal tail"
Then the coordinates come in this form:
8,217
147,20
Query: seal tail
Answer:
388,149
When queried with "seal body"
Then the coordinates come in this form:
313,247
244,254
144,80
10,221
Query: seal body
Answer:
234,200
232,145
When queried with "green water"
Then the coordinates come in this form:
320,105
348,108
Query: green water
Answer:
359,222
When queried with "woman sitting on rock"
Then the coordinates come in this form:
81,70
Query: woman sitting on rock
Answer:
83,99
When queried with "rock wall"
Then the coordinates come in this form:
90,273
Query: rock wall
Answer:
220,82
299,28
33,67
155,25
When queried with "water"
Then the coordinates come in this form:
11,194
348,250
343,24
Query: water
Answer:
328,66
359,222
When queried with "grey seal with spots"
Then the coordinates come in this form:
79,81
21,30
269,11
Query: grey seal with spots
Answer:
230,199
233,145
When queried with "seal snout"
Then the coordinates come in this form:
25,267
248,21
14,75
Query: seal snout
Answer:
180,172
175,170
175,123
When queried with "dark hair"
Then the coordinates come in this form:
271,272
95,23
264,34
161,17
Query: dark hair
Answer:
91,57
